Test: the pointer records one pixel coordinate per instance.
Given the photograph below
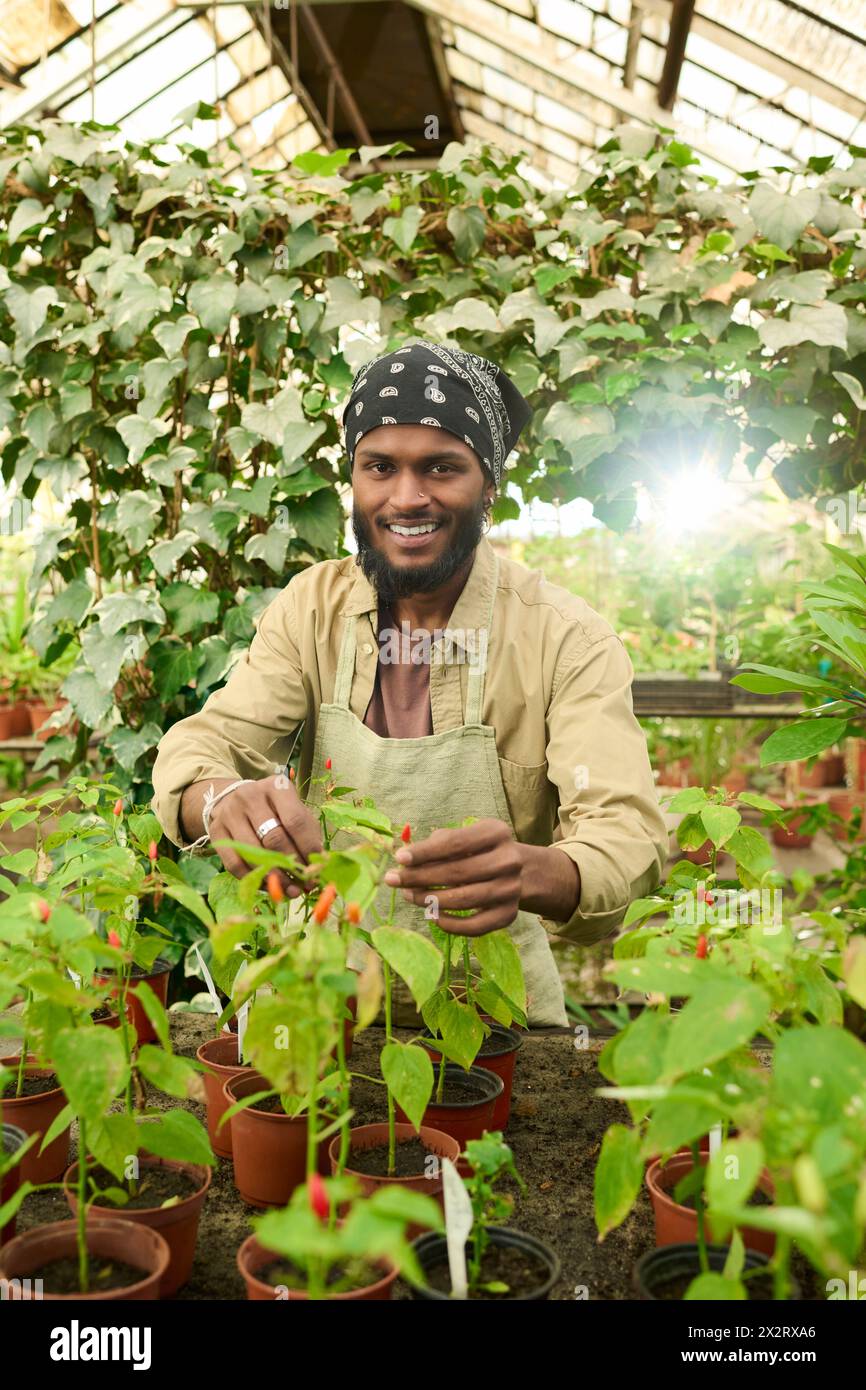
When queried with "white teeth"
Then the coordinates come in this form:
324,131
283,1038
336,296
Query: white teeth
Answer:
414,530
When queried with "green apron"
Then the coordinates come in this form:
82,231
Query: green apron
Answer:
430,782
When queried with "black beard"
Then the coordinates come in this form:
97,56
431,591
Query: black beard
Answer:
392,582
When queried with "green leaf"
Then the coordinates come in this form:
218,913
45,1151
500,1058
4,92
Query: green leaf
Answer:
720,823
499,960
721,1016
158,1018
467,226
715,1288
732,1173
91,1067
618,1177
166,1072
408,1074
782,217
188,607
801,740
462,1031
176,1134
213,299
415,959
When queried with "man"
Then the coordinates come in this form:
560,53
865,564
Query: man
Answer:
442,681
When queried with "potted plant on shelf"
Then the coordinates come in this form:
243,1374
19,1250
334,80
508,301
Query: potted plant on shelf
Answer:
501,1263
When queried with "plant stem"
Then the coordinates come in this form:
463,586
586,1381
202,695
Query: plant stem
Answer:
83,1264
22,1061
780,1268
440,1081
392,1132
699,1208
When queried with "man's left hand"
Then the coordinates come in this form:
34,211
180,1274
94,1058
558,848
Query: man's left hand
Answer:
480,866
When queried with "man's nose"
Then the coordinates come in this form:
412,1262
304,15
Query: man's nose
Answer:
408,494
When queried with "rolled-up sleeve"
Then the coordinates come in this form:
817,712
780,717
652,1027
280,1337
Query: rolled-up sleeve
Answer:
610,823
244,729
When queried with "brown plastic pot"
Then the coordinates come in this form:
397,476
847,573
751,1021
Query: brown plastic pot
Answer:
269,1150
788,836
35,1115
376,1137
252,1257
220,1057
843,804
157,978
12,1139
504,1044
468,1118
676,1224
178,1225
38,714
432,1250
118,1239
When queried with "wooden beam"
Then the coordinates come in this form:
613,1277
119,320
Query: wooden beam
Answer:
437,52
543,70
350,105
632,44
678,32
752,52
294,79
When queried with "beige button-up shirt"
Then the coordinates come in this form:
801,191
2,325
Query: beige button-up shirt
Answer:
574,759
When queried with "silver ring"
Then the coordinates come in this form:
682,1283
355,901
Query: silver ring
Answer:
265,826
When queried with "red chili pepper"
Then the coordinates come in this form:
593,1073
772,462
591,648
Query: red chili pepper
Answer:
328,764
353,912
324,903
275,887
291,774
406,833
709,899
44,910
152,851
118,807
114,940
702,947
318,1197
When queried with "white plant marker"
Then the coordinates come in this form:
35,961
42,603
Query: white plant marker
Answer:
243,1017
458,1224
211,987
715,1139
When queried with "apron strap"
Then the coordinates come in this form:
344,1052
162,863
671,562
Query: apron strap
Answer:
346,664
478,668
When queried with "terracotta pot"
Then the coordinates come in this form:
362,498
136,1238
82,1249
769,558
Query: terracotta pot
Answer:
35,1115
843,804
788,836
112,1020
376,1137
468,1118
657,1267
676,1224
700,855
735,781
12,1139
504,1044
117,1239
431,1250
811,777
20,719
7,722
178,1225
220,1057
269,1150
252,1257
832,769
38,713
157,978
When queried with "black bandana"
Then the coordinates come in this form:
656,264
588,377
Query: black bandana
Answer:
429,384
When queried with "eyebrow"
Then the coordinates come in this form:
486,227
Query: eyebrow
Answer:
439,457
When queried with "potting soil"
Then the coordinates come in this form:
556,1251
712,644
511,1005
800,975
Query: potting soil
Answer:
155,1186
517,1270
354,1275
410,1158
61,1276
33,1086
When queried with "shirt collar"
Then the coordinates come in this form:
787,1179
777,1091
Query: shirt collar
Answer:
470,610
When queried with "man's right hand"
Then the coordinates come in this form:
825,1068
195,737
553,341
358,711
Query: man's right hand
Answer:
239,814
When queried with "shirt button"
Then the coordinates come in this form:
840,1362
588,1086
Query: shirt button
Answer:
368,649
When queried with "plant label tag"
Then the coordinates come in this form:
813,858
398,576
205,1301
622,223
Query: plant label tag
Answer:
458,1224
715,1139
243,1016
211,987
76,979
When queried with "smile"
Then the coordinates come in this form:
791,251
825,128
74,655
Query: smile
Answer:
423,529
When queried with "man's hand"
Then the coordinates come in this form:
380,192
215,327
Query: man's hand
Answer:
481,866
239,814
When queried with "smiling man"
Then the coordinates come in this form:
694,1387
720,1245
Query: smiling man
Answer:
443,681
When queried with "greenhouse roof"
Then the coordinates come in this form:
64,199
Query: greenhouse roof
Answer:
748,83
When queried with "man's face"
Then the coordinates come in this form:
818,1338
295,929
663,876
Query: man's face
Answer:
407,477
